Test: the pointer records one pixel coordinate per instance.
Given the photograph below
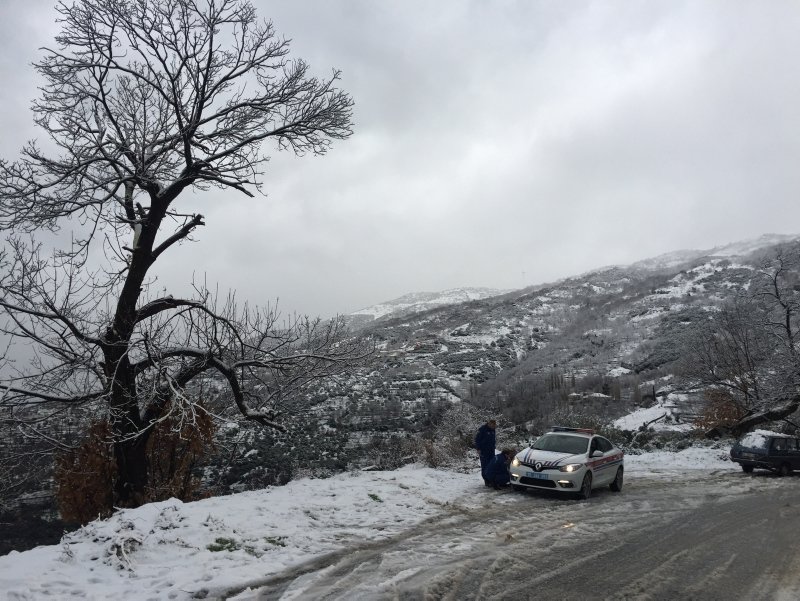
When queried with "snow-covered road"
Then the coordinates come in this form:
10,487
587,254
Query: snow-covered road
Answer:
724,535
688,522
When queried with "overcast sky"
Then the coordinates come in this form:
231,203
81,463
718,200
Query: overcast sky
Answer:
497,143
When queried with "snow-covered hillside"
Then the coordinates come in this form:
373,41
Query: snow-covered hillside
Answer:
606,331
734,249
746,247
664,416
416,302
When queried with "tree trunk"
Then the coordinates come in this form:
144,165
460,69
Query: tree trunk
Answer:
128,429
781,410
132,471
130,438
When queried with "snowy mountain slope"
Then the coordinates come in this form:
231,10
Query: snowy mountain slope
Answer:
608,330
417,302
734,249
748,247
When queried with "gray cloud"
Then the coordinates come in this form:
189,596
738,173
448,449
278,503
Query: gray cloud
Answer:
496,138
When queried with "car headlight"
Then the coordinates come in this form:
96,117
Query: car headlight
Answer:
570,467
515,462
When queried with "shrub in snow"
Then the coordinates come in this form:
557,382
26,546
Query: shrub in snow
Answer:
118,547
85,477
391,452
721,412
223,544
254,458
168,518
450,444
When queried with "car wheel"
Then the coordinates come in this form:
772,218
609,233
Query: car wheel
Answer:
517,487
616,485
747,469
784,470
586,487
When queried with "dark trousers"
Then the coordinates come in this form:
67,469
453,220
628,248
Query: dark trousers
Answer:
498,480
485,461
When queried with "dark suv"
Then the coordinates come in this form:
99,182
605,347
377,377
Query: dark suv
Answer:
768,450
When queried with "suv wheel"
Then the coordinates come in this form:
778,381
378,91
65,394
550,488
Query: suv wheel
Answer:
784,470
747,469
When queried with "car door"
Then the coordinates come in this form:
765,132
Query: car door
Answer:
777,452
606,472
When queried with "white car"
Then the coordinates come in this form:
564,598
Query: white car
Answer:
569,460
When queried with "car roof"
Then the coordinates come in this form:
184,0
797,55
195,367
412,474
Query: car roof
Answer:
571,432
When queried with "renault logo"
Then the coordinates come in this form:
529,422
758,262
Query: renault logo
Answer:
538,466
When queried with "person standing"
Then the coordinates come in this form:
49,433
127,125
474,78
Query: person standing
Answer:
485,441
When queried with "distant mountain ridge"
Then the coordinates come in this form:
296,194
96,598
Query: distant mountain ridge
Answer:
734,249
418,302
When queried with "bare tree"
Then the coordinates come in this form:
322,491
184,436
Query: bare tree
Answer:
143,101
748,349
778,288
731,351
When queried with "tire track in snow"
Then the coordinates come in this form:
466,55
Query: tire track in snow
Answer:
656,540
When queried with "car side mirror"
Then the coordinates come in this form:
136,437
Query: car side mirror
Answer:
597,453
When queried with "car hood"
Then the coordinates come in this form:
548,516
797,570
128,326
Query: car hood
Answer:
548,458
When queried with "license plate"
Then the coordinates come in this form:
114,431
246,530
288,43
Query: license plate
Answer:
536,475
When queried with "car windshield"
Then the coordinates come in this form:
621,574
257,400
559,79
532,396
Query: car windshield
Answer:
562,443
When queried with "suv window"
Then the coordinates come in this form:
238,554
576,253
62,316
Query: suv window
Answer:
784,444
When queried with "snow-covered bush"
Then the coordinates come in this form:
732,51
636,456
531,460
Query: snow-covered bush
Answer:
392,452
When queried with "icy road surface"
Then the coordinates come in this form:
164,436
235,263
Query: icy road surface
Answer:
723,535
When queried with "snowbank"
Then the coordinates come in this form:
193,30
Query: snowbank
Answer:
172,550
667,463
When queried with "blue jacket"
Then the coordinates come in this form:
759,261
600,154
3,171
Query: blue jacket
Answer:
497,470
485,440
